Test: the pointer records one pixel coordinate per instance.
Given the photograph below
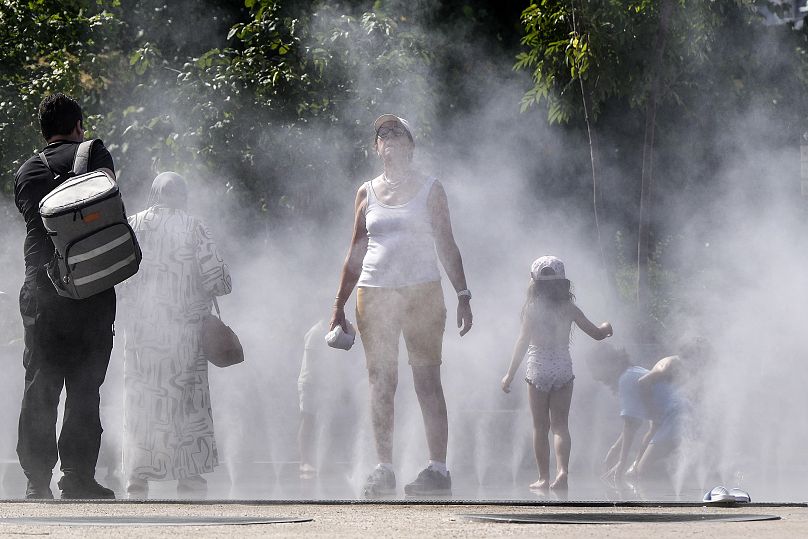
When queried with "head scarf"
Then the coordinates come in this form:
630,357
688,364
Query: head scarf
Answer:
169,190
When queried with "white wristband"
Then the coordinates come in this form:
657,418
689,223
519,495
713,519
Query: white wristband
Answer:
464,293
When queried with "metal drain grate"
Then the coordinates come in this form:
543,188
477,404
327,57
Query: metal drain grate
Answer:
148,521
612,518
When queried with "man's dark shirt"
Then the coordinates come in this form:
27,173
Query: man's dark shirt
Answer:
33,181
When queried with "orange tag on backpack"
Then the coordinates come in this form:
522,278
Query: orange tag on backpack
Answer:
95,216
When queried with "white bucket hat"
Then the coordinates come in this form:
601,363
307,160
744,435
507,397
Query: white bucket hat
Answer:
548,261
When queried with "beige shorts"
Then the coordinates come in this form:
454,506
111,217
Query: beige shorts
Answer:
418,311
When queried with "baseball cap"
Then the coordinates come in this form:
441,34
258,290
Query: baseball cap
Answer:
392,118
547,261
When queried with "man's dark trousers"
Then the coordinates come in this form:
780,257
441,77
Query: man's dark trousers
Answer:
67,344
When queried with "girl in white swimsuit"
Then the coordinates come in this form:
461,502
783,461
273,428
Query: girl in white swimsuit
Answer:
547,319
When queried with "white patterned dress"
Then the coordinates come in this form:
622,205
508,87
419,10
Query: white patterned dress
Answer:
168,418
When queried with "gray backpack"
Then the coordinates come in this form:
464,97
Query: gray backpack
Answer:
84,216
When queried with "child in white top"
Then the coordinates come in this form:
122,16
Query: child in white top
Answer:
547,319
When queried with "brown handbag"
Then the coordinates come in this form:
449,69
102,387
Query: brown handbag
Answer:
219,343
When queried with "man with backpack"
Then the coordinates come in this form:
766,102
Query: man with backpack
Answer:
67,341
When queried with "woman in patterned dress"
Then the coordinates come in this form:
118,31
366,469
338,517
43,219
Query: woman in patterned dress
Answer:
168,418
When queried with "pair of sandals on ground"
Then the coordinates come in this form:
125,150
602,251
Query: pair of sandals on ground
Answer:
721,494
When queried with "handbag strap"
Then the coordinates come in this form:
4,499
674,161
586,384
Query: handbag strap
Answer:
216,306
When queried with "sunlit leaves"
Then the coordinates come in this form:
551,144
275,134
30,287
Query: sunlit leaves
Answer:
47,47
607,44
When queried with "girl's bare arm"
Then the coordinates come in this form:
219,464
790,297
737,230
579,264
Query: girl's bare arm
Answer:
596,332
519,350
630,427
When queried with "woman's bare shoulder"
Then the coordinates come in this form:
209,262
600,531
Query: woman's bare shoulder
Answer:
361,199
362,190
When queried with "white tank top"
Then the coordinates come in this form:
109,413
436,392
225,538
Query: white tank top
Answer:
401,247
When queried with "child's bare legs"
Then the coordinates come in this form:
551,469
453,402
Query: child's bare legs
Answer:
540,410
653,459
560,400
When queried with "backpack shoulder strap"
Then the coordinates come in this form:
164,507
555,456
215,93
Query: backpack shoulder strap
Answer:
82,158
45,161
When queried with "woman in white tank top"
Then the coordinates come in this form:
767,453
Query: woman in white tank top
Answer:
401,229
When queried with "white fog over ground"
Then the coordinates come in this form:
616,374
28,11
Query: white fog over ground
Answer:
737,247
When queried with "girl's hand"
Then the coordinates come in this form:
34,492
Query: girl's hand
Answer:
506,383
606,329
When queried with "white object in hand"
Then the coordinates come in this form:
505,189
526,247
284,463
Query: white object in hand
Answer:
338,338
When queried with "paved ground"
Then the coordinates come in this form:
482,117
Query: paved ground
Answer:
392,520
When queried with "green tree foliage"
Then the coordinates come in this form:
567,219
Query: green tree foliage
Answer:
719,60
261,107
49,46
609,44
269,101
265,114
603,43
265,100
293,85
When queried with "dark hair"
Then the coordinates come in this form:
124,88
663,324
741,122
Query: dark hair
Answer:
607,364
58,114
551,291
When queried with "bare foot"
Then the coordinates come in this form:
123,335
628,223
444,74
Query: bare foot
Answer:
541,484
560,482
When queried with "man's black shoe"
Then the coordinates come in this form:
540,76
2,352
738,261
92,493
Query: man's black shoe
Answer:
38,490
75,487
430,483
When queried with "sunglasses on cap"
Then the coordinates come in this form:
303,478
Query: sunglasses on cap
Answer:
388,131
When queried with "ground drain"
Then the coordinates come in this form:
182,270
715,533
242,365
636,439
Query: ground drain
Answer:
147,521
612,518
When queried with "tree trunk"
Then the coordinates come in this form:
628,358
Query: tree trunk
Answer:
597,196
594,159
644,235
